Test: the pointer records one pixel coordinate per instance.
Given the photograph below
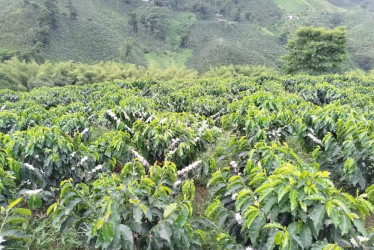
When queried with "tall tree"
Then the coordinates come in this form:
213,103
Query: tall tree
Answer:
133,21
316,50
52,8
73,12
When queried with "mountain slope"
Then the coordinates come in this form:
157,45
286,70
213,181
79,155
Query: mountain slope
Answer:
175,32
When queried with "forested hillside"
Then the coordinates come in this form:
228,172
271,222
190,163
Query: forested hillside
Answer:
187,33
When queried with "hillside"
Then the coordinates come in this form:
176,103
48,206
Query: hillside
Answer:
232,164
174,32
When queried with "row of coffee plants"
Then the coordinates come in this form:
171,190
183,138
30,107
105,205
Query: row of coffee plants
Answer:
113,163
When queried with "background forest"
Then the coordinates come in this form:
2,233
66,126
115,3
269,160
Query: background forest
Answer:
183,33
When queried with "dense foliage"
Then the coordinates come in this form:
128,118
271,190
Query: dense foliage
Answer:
288,163
316,50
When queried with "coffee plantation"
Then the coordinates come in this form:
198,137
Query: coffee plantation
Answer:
286,163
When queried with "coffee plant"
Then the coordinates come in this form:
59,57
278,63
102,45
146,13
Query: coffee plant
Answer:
132,209
267,162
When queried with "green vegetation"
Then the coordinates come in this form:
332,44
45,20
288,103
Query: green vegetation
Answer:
287,162
183,124
316,51
22,75
186,32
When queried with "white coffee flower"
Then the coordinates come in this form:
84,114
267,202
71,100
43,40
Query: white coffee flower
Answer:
97,168
239,218
33,192
84,131
327,222
177,183
1,241
29,166
149,118
140,157
189,168
354,243
125,115
234,195
362,239
84,159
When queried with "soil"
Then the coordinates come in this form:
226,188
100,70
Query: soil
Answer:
201,196
369,223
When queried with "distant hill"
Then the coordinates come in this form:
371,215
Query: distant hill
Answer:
192,33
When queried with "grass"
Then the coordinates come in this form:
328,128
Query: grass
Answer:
298,147
167,59
293,5
267,32
201,200
316,5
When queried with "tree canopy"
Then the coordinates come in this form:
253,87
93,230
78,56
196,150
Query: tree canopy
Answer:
316,50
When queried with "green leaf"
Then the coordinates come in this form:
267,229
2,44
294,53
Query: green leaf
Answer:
35,202
273,225
126,232
182,217
303,206
17,234
269,203
250,219
282,192
137,213
331,247
335,217
315,197
170,209
370,188
64,189
22,211
329,208
14,203
306,236
349,166
16,219
293,199
278,238
165,231
107,232
67,223
49,210
317,214
264,194
270,243
360,226
285,239
345,224
293,231
267,185
256,226
71,205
